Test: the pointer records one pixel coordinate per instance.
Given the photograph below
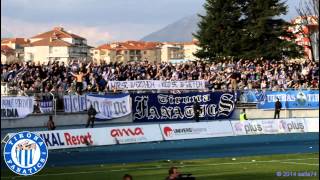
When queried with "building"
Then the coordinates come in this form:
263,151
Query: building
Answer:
7,55
57,45
189,48
127,51
17,44
306,31
171,51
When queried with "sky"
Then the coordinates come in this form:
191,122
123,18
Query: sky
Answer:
99,21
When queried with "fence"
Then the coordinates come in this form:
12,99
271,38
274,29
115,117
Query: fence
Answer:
55,100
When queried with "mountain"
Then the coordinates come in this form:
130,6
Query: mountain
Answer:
179,31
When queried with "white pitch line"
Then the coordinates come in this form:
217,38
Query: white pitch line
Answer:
300,163
211,164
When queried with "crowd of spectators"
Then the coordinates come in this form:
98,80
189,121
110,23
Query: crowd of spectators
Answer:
242,75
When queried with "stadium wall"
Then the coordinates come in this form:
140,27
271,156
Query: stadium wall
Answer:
68,119
138,133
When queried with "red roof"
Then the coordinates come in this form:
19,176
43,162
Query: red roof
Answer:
130,45
58,32
20,41
50,42
6,50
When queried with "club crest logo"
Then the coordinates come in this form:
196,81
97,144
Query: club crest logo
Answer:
25,153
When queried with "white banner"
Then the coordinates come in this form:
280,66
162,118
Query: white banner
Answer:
196,130
220,128
16,107
156,84
134,134
269,126
292,125
46,106
74,103
251,127
110,106
74,138
312,124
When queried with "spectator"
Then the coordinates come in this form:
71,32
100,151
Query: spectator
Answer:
50,124
259,74
127,177
173,174
243,115
278,107
91,116
196,110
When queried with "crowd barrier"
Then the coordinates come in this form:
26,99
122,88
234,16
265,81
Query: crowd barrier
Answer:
156,106
75,138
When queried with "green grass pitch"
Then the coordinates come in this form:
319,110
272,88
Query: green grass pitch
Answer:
293,166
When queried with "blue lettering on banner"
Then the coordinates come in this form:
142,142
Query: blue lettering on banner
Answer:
109,106
75,103
292,99
172,107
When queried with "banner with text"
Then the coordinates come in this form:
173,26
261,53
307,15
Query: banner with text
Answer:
16,107
269,126
196,130
46,104
156,84
109,106
149,107
74,103
74,138
134,134
304,99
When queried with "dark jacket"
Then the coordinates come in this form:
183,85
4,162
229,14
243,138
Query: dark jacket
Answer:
92,112
278,105
196,108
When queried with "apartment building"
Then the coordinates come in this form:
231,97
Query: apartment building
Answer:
189,48
57,45
7,55
127,51
17,44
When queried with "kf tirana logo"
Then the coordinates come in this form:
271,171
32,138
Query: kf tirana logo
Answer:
25,153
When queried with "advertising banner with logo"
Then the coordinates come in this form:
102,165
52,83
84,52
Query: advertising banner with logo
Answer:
196,130
251,127
16,107
185,131
305,99
292,125
134,134
156,84
269,126
74,103
74,138
110,106
312,124
148,107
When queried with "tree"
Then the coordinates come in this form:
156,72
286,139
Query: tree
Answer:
219,30
267,36
308,27
245,29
